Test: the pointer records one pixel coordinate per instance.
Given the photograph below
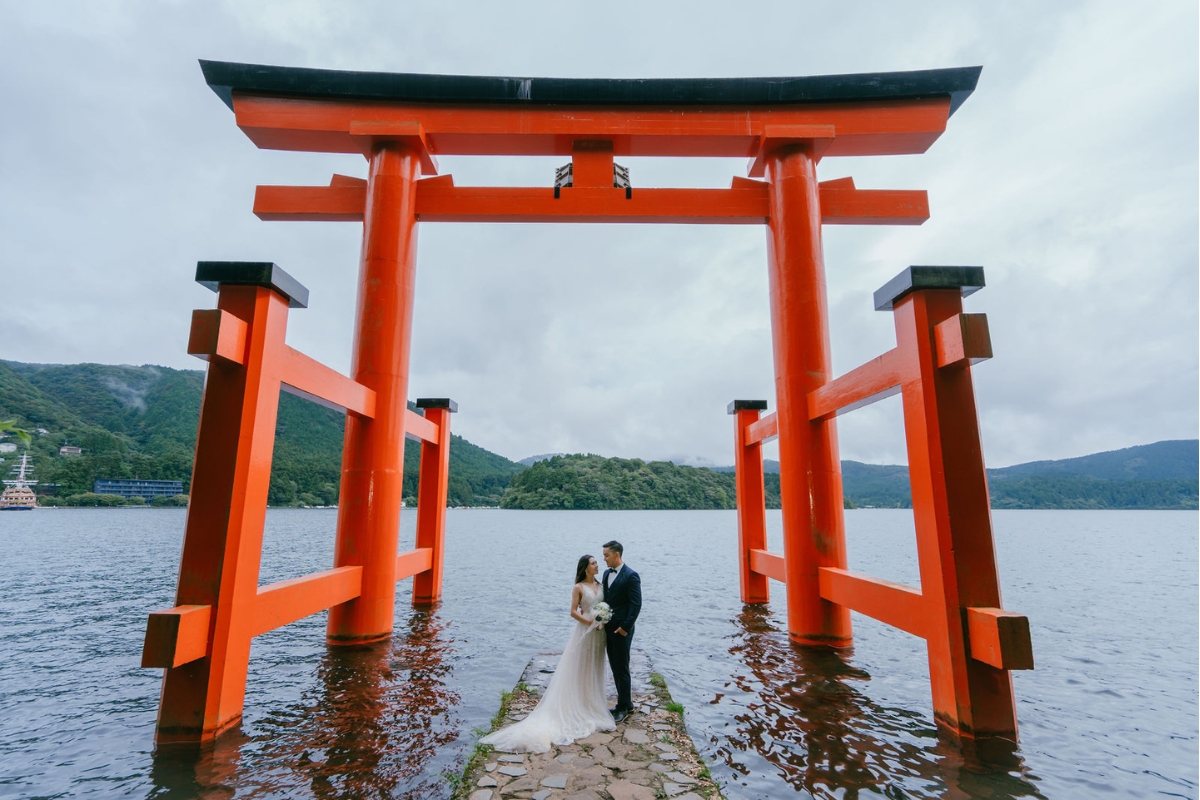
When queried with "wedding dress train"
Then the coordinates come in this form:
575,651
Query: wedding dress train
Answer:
573,705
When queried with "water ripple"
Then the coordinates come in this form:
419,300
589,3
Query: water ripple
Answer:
1110,710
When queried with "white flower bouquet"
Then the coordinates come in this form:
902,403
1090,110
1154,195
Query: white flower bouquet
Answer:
602,612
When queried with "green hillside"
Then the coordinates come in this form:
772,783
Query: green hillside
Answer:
1162,475
876,485
140,422
1175,459
595,482
1156,476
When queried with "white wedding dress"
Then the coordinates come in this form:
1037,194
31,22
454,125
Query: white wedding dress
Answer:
573,705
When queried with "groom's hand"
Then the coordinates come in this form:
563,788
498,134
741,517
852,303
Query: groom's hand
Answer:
621,631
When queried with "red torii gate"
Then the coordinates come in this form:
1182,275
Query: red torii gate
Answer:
400,123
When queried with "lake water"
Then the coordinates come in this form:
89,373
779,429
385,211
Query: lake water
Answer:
1111,709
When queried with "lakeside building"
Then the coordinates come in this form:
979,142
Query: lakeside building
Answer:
137,488
69,450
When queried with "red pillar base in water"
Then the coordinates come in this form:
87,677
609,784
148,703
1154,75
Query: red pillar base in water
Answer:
203,643
973,643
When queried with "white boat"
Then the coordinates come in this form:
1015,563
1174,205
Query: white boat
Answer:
18,493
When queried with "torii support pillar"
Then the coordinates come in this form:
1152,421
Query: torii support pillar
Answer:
203,642
972,642
810,480
431,500
751,498
368,529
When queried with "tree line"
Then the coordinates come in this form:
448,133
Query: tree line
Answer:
140,422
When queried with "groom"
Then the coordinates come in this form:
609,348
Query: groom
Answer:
623,593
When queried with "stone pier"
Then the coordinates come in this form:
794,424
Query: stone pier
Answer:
650,755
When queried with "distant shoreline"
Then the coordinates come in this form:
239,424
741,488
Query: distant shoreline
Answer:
588,510
91,422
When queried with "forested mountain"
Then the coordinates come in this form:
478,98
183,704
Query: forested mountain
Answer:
878,485
1170,460
596,482
1159,475
140,422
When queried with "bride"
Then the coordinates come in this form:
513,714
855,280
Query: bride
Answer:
573,705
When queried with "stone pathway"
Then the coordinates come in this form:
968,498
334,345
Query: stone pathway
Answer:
650,756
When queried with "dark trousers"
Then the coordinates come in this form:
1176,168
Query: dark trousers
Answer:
618,660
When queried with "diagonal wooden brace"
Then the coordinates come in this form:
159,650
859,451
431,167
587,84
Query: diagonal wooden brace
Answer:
306,377
877,379
764,430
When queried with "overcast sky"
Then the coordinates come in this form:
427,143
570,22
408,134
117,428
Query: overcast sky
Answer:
1070,175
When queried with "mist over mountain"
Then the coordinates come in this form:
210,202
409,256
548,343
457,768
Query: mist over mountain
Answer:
529,461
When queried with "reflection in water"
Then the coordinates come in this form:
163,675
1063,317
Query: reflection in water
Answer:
804,716
383,714
210,773
378,724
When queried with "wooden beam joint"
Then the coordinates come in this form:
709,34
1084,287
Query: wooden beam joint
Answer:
217,334
962,340
999,638
414,562
817,138
306,377
770,564
419,428
176,636
372,133
764,430
892,603
869,383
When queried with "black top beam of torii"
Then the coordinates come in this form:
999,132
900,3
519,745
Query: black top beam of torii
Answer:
226,77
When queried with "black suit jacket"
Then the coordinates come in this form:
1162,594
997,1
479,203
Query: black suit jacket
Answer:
625,599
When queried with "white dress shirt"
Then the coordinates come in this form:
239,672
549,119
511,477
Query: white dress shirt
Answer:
612,576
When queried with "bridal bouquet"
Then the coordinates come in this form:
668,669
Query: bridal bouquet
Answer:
602,612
